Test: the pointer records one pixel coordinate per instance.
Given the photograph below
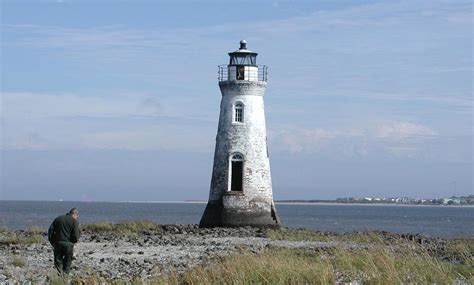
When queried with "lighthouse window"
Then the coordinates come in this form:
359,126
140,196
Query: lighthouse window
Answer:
237,156
239,113
237,165
243,59
240,72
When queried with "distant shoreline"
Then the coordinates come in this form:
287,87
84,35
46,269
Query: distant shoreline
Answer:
278,202
368,204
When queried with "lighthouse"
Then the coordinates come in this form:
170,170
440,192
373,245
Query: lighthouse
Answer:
241,184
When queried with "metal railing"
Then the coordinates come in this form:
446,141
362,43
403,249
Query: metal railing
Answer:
223,74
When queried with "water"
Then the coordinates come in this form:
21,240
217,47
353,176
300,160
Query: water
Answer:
438,221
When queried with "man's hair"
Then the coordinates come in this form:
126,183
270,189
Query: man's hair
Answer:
73,211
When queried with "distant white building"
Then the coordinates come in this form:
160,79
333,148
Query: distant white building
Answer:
456,200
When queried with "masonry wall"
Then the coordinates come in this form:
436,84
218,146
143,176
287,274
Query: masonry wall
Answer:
254,205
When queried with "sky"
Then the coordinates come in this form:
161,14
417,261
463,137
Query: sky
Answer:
119,100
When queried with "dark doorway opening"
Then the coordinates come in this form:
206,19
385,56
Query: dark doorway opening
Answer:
237,169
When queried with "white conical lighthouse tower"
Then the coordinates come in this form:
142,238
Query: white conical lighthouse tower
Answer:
241,184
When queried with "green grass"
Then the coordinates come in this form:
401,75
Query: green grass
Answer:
377,258
376,264
98,227
92,279
35,230
275,266
297,235
382,264
461,251
133,227
18,261
32,235
308,235
9,237
76,280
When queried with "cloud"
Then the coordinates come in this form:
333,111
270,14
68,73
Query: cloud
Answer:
31,141
131,121
110,38
143,121
378,139
402,130
300,140
41,105
151,105
461,102
100,44
323,48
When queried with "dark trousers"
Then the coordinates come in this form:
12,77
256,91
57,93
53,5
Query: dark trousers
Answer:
63,257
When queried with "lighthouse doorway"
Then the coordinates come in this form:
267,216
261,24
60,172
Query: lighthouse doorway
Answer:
240,72
236,172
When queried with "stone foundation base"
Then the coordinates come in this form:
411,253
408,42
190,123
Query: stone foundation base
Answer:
215,215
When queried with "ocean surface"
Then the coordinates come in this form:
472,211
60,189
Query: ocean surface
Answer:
440,221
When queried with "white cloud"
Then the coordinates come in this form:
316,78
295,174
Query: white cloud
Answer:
71,105
294,37
31,141
123,121
379,139
149,138
104,40
402,130
142,121
299,140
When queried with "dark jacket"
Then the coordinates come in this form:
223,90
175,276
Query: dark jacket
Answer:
64,229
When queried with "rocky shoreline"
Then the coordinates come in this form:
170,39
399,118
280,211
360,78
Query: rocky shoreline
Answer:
150,253
143,256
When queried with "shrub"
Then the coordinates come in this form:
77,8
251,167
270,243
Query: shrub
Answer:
8,237
296,235
35,230
18,261
98,227
374,264
132,227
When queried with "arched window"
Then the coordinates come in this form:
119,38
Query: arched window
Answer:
237,156
236,171
239,112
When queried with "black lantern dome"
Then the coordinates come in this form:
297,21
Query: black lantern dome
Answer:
243,56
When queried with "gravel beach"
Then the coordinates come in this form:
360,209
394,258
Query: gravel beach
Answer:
142,256
145,251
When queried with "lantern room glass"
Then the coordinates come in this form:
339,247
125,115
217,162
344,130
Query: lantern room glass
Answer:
243,59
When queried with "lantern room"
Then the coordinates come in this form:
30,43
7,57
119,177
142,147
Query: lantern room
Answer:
242,66
243,56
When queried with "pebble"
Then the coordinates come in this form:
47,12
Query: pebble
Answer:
171,247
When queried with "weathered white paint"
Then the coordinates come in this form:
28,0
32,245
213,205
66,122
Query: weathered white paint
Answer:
247,138
254,205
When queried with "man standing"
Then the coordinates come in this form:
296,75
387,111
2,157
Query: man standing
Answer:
63,234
